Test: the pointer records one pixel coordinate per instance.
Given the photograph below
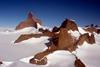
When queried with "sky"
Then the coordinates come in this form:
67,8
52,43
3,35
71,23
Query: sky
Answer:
50,12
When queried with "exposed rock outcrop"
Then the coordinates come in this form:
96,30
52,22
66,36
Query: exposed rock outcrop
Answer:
46,32
87,38
61,38
65,41
26,37
79,63
92,28
39,62
92,39
30,22
55,29
98,31
69,24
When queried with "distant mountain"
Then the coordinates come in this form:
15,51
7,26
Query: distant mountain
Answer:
92,28
31,21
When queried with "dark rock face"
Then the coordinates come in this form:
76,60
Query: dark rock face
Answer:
55,39
98,31
70,25
79,63
55,29
30,22
92,39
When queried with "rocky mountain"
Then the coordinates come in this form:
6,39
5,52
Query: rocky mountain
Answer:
65,37
31,21
29,39
92,28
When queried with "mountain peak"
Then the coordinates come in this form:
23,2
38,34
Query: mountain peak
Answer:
69,24
30,15
31,21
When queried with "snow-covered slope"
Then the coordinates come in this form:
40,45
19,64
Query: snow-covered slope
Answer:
10,51
18,55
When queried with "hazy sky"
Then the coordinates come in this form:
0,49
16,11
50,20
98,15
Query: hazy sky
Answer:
51,12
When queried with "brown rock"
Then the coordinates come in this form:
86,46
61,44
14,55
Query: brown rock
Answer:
92,39
98,31
55,39
55,29
87,38
70,25
79,63
27,36
47,33
91,29
83,38
30,22
38,62
66,41
40,58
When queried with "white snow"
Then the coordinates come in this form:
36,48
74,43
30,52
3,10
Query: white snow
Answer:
75,34
18,55
10,51
27,30
39,26
82,31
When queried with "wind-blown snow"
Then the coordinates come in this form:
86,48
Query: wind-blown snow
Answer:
18,55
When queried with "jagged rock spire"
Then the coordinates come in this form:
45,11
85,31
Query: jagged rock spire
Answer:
69,24
30,14
31,21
